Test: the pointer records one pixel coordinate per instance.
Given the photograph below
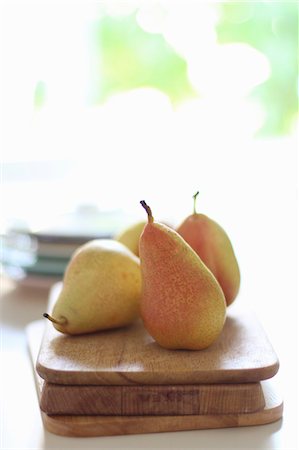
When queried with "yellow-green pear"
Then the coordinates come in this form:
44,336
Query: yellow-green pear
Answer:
101,289
182,304
130,236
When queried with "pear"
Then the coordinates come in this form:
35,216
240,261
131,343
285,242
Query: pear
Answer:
130,236
182,304
101,289
212,244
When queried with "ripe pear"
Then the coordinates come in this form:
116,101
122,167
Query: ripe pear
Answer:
130,236
212,244
182,304
101,289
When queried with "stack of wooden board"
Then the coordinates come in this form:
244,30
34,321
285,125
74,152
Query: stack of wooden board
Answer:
122,382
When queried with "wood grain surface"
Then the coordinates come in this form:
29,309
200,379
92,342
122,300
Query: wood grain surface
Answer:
129,356
151,400
83,426
99,425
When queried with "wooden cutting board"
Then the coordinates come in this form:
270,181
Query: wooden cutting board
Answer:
103,425
129,356
149,400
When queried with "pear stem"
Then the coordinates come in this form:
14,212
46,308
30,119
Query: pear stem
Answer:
148,210
62,321
194,202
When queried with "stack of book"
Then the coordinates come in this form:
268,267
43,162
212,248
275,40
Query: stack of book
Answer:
39,256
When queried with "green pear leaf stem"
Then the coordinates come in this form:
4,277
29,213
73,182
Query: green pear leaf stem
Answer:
194,202
148,210
61,321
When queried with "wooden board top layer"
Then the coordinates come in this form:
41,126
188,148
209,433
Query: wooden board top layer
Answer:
129,356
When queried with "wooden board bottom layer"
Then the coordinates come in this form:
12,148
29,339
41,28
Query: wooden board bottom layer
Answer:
83,426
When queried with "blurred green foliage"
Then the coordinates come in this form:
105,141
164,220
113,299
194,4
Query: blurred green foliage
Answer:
39,96
132,58
272,28
129,57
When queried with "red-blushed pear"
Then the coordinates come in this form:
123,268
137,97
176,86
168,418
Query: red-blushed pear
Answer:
213,246
182,304
130,236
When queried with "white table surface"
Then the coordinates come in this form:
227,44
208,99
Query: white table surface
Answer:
21,425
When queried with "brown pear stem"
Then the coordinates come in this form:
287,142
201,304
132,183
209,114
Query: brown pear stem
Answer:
194,202
62,321
148,210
